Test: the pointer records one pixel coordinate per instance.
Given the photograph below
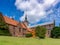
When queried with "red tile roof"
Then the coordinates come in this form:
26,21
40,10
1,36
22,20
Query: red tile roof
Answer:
29,29
15,23
10,21
22,25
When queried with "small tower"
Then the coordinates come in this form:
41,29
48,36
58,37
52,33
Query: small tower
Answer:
26,18
26,21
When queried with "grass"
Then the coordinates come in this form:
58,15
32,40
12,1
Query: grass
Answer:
5,40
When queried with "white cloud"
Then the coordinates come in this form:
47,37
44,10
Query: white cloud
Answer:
33,9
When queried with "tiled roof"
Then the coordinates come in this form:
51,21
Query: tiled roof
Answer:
22,25
10,21
29,29
15,23
47,23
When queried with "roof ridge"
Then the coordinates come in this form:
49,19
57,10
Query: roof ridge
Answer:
42,24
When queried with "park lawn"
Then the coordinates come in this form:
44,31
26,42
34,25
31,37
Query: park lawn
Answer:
5,40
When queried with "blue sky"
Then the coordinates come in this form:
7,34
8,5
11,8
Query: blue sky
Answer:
8,8
38,12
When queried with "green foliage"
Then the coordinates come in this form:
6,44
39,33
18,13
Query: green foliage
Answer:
55,33
5,33
3,25
28,35
40,32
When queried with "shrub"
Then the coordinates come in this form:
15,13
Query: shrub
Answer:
28,35
40,32
55,33
4,32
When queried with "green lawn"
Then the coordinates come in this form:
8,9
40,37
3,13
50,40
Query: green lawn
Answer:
5,40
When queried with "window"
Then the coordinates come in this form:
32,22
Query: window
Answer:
19,29
49,25
24,31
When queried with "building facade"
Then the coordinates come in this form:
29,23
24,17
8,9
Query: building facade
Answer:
19,29
49,26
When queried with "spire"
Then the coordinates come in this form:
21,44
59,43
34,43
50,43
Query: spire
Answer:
26,18
26,21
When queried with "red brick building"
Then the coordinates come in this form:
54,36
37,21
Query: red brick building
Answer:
49,26
19,29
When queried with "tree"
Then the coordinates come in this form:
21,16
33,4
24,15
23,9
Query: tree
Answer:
40,31
3,25
55,33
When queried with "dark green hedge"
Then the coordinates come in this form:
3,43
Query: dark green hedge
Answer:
28,35
4,33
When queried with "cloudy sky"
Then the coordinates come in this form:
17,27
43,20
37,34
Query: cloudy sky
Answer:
37,11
